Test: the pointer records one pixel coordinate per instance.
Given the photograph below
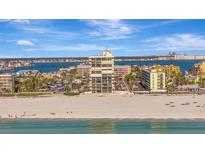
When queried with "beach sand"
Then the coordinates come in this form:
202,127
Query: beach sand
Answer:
113,107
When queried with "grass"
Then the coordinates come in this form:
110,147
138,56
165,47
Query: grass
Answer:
32,94
6,95
71,94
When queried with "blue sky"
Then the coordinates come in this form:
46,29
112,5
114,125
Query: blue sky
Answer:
68,38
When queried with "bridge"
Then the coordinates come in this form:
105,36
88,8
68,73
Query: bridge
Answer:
83,59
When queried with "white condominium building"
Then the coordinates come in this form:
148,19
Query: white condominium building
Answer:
154,80
102,73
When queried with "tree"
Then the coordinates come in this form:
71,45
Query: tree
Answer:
171,87
73,73
130,79
181,80
67,89
29,83
201,82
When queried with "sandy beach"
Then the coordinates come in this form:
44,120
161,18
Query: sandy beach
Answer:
115,107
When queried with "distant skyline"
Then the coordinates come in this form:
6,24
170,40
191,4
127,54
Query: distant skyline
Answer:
73,38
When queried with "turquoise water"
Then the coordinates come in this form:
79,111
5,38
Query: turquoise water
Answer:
101,127
52,67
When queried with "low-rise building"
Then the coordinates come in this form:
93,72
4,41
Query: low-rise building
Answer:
154,80
122,70
26,73
188,57
83,70
200,69
66,70
192,87
6,82
170,70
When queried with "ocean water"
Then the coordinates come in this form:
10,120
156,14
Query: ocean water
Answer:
47,67
184,65
101,127
52,67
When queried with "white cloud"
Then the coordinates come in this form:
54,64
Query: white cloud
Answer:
34,29
78,47
24,43
4,20
117,29
41,27
159,24
109,29
178,42
21,21
50,32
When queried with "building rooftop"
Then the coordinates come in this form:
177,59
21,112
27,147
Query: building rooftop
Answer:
153,70
122,66
6,70
194,86
83,66
106,53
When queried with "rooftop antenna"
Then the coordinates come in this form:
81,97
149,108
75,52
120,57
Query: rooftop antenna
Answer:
106,49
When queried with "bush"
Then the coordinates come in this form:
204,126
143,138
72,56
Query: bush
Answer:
6,94
33,94
71,94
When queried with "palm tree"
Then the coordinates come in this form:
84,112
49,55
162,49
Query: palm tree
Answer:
130,79
181,80
171,88
72,74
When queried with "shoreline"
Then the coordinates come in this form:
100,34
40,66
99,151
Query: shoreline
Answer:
101,119
102,95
